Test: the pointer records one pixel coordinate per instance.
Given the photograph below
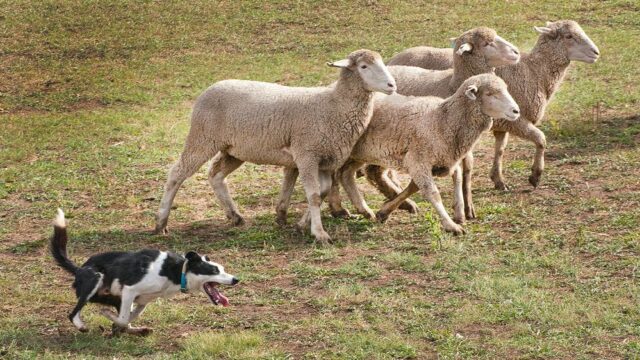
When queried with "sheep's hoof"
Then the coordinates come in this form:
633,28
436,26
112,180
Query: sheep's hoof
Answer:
534,179
83,329
455,229
470,212
409,206
341,214
499,185
323,238
281,219
458,219
161,230
236,220
382,217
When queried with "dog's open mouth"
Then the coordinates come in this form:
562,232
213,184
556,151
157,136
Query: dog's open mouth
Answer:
214,294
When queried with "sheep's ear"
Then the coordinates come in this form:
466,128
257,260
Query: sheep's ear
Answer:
472,92
466,47
544,30
549,23
344,63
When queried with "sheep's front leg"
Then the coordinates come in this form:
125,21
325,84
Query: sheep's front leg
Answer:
334,199
290,175
502,138
467,173
458,196
421,175
526,130
348,179
310,178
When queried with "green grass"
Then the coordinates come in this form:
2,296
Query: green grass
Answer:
94,106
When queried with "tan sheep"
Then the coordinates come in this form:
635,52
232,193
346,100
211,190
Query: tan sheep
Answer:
313,129
426,57
532,82
477,51
428,136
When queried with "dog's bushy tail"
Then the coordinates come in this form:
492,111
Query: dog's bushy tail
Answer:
58,244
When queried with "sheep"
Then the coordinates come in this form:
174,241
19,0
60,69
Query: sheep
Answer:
425,57
312,129
477,51
428,136
533,82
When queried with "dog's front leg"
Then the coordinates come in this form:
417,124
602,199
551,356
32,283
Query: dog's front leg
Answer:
136,312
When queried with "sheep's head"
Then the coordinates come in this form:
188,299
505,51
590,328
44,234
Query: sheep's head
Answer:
570,40
371,69
484,42
492,96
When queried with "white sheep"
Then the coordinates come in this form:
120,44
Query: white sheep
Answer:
532,82
428,136
426,57
313,129
477,51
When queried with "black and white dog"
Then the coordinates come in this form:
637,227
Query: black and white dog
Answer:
122,279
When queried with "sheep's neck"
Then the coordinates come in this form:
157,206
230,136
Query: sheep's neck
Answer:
464,69
463,129
351,89
549,66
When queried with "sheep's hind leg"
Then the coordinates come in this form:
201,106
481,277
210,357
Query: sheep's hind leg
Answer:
458,196
467,173
290,175
526,130
388,186
223,165
334,199
502,138
186,166
348,179
310,178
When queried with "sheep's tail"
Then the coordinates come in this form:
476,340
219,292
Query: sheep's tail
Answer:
58,244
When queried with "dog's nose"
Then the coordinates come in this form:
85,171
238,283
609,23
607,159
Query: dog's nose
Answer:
234,281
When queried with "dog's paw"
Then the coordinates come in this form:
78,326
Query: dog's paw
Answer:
139,331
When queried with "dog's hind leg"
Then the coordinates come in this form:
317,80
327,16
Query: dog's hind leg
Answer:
87,283
124,314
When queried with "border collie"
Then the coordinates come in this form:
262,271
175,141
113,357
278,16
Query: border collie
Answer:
122,279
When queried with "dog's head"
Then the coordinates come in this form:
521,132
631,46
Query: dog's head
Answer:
201,273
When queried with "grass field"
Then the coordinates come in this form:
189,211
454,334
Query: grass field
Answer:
94,104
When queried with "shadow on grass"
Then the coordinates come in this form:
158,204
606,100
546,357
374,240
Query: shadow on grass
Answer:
26,342
260,233
596,138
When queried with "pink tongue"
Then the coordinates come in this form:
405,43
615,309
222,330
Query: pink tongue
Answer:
221,299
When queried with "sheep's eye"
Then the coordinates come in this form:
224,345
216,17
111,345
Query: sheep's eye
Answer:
568,36
363,67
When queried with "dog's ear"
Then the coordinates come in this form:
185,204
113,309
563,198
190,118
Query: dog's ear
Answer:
192,256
